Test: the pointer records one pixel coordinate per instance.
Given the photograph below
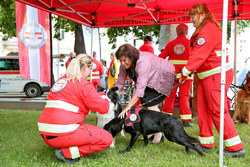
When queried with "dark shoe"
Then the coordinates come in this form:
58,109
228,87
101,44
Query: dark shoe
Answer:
162,140
202,149
59,155
239,153
187,124
151,138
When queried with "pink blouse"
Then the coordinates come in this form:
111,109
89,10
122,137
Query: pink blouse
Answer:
151,71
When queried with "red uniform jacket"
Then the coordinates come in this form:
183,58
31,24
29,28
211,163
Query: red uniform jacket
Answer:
205,52
67,105
146,47
96,72
177,51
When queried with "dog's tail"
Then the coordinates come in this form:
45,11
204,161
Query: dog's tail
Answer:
192,139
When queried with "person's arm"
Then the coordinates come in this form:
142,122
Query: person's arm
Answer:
93,100
131,103
164,53
121,78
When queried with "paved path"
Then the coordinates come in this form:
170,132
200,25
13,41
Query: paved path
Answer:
18,101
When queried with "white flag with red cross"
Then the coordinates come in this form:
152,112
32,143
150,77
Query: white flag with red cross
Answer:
33,33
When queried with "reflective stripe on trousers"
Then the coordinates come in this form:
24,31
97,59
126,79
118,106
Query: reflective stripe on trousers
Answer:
206,140
233,141
186,117
53,128
74,151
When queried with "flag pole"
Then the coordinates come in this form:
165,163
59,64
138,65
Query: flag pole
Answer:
51,51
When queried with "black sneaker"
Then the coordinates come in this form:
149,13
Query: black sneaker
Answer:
239,153
59,154
187,124
202,149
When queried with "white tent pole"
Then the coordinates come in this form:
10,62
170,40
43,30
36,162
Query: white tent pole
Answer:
223,76
235,52
91,50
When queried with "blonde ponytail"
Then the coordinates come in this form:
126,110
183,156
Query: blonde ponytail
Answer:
74,68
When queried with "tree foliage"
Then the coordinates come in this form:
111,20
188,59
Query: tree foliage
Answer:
139,32
7,19
241,27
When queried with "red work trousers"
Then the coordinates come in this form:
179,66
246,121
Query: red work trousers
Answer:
208,111
86,140
184,94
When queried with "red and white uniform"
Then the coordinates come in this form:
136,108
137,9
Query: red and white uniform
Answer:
61,122
205,58
178,53
146,47
96,72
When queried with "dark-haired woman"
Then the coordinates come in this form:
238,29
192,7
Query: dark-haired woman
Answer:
153,77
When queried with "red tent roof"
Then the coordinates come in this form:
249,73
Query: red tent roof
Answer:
121,13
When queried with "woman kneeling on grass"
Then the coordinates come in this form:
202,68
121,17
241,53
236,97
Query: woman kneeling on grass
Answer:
68,103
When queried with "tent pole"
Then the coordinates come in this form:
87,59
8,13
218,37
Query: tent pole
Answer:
235,55
91,50
223,76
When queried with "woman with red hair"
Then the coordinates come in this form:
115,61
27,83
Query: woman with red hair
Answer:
205,59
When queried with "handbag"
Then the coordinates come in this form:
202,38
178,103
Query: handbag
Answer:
112,70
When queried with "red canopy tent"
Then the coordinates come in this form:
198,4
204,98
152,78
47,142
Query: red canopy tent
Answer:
121,13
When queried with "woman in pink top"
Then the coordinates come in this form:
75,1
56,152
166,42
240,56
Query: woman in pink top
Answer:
153,76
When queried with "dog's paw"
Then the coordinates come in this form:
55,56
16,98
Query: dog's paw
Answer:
112,146
122,151
122,134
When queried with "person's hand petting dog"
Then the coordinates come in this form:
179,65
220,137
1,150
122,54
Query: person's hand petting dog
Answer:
124,112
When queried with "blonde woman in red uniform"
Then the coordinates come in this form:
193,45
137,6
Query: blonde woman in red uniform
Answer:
68,104
205,59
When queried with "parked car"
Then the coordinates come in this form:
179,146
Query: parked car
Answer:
11,81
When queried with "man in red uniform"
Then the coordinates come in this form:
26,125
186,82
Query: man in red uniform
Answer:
97,71
177,52
205,59
72,55
147,46
68,103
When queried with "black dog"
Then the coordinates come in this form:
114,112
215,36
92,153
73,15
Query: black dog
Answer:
152,122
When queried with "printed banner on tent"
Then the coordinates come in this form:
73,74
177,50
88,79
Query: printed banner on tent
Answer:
96,41
33,33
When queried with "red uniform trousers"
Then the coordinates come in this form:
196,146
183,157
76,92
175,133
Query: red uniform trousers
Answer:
86,140
208,111
184,93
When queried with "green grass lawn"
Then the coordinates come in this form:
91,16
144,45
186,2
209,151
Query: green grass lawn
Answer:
22,146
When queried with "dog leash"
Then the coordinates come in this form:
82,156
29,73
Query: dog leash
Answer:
161,94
